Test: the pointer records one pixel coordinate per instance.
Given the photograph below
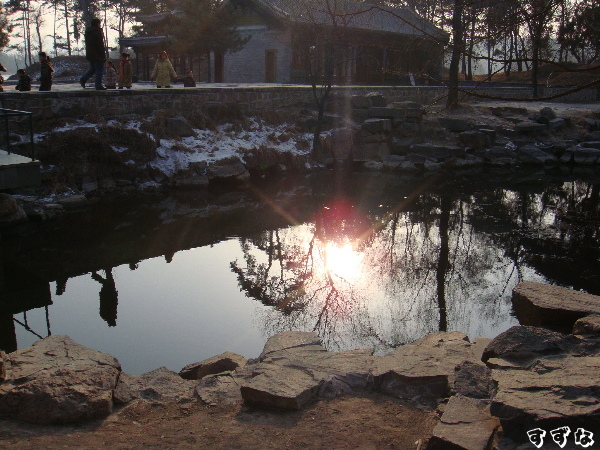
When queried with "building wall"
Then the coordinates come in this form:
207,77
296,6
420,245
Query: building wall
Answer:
248,65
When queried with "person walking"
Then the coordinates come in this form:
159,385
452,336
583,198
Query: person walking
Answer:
163,71
46,71
125,71
95,54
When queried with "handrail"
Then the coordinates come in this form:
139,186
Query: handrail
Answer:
6,113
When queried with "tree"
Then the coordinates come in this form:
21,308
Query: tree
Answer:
4,29
203,26
457,49
320,35
23,9
580,33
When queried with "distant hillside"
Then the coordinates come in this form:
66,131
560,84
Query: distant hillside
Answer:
66,68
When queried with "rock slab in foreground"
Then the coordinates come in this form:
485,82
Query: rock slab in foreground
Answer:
159,384
221,363
295,370
465,425
57,380
556,391
539,304
424,371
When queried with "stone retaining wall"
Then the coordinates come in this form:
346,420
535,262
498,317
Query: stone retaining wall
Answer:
250,98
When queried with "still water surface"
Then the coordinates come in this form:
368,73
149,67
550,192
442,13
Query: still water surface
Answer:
366,261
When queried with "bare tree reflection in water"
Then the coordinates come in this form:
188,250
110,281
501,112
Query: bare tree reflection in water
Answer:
423,269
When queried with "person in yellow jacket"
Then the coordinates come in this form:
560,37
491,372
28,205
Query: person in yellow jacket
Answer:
163,71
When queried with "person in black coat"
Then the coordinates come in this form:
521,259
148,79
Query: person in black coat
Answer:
95,53
24,83
189,81
46,71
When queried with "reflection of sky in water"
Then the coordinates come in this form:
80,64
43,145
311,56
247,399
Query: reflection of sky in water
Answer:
358,279
168,314
176,313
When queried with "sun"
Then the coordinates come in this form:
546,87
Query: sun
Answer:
343,260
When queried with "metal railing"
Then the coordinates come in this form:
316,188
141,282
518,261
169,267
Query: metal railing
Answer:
5,113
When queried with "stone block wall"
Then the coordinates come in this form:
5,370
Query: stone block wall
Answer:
250,98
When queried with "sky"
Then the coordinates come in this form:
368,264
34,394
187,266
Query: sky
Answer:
12,61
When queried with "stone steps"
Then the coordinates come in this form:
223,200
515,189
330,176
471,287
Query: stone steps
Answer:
18,171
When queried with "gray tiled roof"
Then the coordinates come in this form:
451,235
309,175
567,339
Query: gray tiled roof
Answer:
352,14
143,40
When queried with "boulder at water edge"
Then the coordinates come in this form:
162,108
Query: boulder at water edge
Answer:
57,380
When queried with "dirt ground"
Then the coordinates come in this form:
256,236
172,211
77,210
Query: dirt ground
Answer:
368,421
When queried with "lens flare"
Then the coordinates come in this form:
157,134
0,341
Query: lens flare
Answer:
343,260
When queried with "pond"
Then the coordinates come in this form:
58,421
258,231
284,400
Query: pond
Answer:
363,259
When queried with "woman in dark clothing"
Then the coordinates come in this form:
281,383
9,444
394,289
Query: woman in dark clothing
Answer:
46,71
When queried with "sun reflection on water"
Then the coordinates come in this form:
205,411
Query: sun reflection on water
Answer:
343,261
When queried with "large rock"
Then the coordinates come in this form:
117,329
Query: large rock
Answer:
73,201
539,304
589,325
290,342
341,141
360,101
521,344
377,125
530,128
385,113
424,371
555,391
224,362
548,112
160,385
456,125
377,99
191,183
219,389
57,380
530,154
295,370
473,380
437,152
2,366
475,140
178,127
228,168
10,212
466,424
281,387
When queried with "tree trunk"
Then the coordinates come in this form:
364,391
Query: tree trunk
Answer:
457,40
68,37
443,261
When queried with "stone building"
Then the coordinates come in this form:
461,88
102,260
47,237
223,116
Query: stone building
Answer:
374,44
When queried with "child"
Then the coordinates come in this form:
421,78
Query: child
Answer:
163,71
110,76
46,71
125,71
188,81
24,83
